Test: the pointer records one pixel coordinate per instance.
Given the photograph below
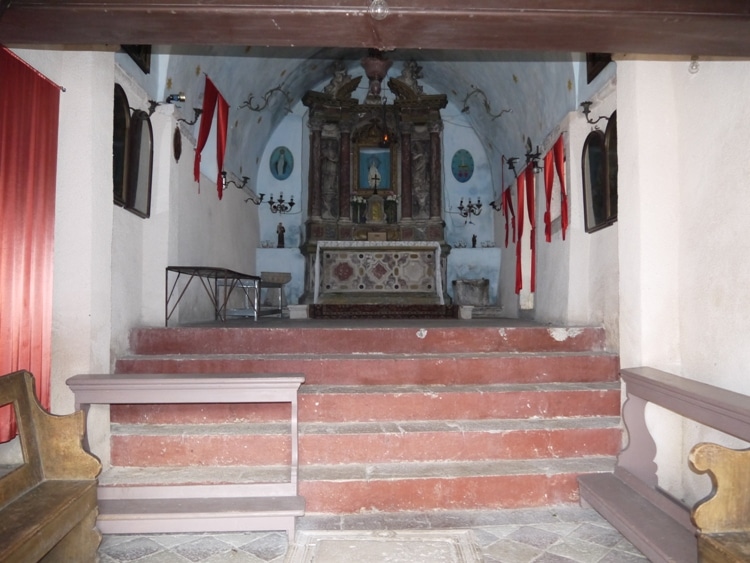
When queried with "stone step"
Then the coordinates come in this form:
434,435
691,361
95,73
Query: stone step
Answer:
394,337
390,368
348,403
394,487
258,444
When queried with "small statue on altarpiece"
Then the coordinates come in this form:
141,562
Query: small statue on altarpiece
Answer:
280,230
473,241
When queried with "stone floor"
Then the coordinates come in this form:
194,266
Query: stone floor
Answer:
548,535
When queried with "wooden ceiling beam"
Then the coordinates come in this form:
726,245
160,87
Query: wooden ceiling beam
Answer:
687,27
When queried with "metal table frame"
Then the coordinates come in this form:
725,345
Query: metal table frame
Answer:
211,279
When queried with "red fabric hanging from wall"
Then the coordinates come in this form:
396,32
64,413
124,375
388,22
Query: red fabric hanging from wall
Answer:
211,100
559,151
29,110
549,179
555,157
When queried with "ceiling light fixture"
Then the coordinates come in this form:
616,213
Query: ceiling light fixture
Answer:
379,10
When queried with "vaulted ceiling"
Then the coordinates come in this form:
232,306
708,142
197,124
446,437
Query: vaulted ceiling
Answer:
520,53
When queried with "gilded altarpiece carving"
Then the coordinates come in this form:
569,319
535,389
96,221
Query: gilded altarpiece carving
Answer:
375,168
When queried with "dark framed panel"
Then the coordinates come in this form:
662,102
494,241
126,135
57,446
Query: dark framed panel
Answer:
374,168
140,164
595,63
141,54
120,146
599,168
610,143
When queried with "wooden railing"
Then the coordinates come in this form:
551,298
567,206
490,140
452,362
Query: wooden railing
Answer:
630,498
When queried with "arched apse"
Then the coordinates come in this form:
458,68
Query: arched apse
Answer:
537,88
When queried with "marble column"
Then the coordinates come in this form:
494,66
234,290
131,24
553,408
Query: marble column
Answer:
345,145
315,193
436,167
406,187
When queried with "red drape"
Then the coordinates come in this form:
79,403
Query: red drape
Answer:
29,108
549,179
559,151
556,155
530,205
211,99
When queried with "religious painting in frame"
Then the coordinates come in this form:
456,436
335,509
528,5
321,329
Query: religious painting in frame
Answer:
281,163
599,168
140,164
120,145
374,171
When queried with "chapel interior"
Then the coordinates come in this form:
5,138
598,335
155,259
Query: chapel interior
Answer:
452,170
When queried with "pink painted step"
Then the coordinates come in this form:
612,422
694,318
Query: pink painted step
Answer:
390,368
392,418
267,444
389,403
404,337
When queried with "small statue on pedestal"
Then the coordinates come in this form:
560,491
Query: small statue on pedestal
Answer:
280,230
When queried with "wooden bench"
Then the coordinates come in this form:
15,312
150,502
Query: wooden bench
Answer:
723,517
630,498
197,507
48,500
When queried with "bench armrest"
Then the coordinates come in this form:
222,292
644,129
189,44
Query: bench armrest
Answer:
727,508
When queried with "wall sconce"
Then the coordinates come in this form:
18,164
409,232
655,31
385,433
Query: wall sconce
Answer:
466,108
171,99
198,112
533,157
280,205
226,183
587,110
470,209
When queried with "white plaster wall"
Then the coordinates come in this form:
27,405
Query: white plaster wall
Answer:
83,221
683,253
577,279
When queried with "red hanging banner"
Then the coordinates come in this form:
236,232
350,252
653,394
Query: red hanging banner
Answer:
211,99
549,179
559,151
555,155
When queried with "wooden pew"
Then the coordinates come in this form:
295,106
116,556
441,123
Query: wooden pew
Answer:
630,498
48,505
723,517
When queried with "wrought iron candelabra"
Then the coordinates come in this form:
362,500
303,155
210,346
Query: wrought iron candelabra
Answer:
470,209
280,205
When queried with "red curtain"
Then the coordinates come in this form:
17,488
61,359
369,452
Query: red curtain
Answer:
211,99
29,107
556,155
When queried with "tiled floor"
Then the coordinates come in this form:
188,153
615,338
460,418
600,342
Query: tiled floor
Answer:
549,535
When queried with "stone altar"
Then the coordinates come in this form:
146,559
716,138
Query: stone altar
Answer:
379,272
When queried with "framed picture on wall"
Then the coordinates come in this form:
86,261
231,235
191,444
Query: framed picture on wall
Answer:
120,145
599,168
374,168
140,164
